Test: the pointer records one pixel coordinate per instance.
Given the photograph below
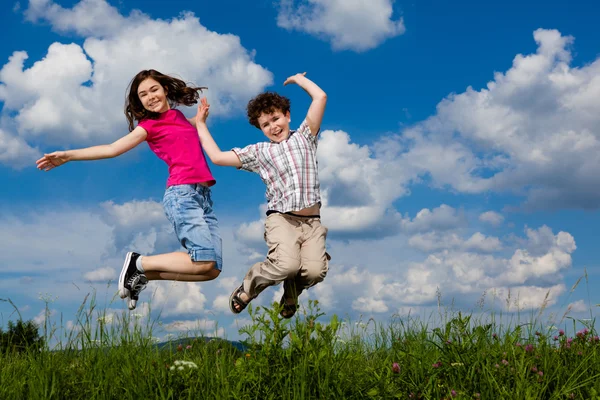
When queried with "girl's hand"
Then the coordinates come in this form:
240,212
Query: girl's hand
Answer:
52,160
203,110
294,78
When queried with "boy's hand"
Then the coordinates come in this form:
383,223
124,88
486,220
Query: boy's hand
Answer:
294,78
203,110
52,160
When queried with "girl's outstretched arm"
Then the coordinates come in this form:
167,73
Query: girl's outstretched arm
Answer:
118,147
319,100
218,157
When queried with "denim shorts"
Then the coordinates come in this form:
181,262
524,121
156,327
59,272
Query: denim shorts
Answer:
189,209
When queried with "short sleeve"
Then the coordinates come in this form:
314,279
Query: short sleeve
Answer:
304,130
248,157
147,124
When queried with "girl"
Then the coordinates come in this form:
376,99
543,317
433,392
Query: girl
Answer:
187,199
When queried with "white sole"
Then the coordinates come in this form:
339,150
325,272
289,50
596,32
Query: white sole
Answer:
124,292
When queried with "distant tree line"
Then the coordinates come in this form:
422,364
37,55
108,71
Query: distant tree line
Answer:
20,336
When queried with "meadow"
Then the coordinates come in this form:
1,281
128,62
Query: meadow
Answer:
312,356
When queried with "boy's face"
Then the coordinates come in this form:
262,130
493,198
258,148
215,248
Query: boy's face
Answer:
275,126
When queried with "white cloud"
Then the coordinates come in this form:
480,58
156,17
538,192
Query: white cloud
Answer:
369,305
578,306
204,326
101,274
74,95
441,218
15,152
527,297
348,24
482,243
532,130
491,217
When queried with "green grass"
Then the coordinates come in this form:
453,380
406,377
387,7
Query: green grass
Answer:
311,357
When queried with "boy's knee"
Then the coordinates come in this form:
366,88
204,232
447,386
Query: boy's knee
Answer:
315,271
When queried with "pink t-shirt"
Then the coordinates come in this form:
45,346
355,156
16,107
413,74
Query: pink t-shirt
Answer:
175,141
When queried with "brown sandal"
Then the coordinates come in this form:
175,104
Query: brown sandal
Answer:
236,299
288,310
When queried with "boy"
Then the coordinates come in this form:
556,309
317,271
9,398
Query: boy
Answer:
287,164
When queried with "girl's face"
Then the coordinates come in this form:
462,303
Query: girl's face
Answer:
153,96
275,126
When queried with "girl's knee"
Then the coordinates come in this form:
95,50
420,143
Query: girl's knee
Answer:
206,268
213,273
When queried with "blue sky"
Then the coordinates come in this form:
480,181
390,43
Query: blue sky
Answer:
459,150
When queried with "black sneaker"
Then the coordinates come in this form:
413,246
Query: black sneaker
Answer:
137,283
131,281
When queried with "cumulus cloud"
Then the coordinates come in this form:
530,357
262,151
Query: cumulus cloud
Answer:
197,326
15,152
532,130
460,273
347,24
101,274
439,219
75,94
491,217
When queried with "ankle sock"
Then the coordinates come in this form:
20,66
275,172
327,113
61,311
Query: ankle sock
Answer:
138,264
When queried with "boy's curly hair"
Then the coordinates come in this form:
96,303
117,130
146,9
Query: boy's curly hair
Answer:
267,103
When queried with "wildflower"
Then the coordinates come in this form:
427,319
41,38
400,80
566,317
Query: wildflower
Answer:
537,333
448,341
504,362
179,348
495,336
453,393
569,340
540,373
248,355
437,364
579,353
534,369
180,365
396,368
529,348
555,338
497,366
518,344
477,395
188,347
561,333
595,339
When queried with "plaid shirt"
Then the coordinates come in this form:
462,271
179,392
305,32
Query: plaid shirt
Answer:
289,169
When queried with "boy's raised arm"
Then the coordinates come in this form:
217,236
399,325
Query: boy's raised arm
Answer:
319,100
218,157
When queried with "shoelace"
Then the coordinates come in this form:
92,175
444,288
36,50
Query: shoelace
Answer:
136,283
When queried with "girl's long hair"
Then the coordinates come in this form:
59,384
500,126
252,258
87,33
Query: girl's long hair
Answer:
177,93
